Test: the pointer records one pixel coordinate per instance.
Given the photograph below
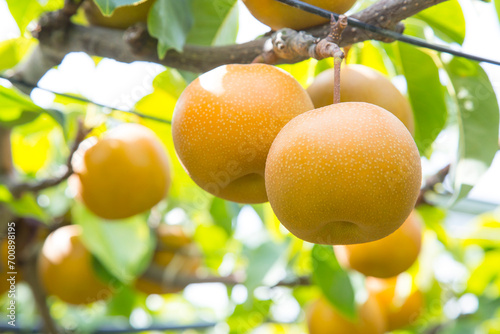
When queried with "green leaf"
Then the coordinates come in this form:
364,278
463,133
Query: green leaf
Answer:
17,108
324,64
247,316
171,82
124,247
210,238
25,206
478,120
333,280
58,116
302,72
486,274
5,195
371,55
108,6
170,22
497,6
215,22
485,233
487,308
123,302
13,50
24,11
261,260
434,220
447,20
427,95
223,213
416,28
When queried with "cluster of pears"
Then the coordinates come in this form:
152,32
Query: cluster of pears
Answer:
69,271
391,304
383,261
344,173
125,173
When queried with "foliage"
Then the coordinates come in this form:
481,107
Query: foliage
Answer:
450,96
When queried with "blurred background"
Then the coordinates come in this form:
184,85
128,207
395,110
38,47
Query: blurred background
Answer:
455,269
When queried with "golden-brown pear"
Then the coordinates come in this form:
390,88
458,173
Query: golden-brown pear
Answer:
277,15
225,122
125,173
359,83
343,174
388,256
66,268
176,255
323,318
399,310
121,18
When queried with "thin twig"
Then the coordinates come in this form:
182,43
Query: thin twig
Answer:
157,274
430,183
297,281
18,189
337,28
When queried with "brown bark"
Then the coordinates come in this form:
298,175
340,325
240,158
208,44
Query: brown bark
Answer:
136,45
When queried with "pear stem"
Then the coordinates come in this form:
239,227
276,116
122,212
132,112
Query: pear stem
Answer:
337,61
337,28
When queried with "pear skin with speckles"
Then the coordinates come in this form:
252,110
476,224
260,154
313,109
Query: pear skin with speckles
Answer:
225,122
125,173
359,83
278,15
388,256
324,318
343,174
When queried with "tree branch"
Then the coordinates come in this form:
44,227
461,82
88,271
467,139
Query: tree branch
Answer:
288,44
6,173
29,269
34,67
136,45
6,166
19,188
430,183
157,274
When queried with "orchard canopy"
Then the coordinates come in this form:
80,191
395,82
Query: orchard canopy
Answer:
252,166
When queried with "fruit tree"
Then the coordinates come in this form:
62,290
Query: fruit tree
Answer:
249,166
